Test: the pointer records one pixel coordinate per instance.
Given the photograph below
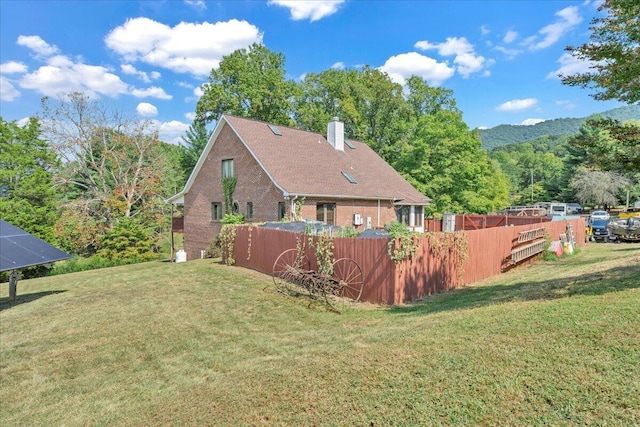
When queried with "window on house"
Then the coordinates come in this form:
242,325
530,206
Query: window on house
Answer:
227,168
326,212
402,214
235,208
216,211
282,211
249,210
418,216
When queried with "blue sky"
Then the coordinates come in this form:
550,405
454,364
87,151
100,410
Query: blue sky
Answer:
148,58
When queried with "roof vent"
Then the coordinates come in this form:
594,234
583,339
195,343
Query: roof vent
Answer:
335,134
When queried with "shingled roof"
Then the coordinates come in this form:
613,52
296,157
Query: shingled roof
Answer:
305,164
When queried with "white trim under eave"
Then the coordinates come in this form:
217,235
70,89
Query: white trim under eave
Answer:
393,200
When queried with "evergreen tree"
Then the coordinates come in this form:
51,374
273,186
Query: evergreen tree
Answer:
194,140
27,194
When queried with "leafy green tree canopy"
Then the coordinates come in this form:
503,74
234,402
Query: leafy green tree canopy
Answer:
248,83
371,106
614,51
444,160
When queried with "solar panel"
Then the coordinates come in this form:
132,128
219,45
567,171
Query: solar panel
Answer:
19,249
275,130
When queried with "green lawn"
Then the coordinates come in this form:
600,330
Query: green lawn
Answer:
199,343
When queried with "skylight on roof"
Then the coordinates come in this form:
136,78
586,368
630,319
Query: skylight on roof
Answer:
349,144
275,130
349,177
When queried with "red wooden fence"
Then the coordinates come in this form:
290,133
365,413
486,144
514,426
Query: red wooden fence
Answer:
429,271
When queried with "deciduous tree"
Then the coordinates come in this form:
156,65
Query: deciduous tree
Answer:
248,83
598,187
112,164
371,106
444,160
614,51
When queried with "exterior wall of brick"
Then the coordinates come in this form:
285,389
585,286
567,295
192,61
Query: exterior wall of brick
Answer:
253,186
346,209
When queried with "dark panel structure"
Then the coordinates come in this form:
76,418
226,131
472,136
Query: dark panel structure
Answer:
19,249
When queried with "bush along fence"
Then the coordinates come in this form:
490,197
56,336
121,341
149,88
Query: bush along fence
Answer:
429,263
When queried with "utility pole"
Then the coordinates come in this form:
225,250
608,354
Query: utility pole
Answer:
532,186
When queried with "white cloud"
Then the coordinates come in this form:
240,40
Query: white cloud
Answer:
312,10
466,60
484,30
151,92
131,70
7,91
190,116
570,65
517,105
13,67
61,75
510,53
197,91
23,121
338,66
566,104
37,45
172,131
65,76
531,122
147,110
185,48
196,4
568,19
510,36
405,65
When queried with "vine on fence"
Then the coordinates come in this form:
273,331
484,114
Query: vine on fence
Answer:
402,246
249,243
297,206
227,240
324,254
454,246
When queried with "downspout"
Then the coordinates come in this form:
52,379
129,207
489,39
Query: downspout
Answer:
378,226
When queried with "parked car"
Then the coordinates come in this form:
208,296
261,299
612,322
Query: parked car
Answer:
599,215
600,230
574,208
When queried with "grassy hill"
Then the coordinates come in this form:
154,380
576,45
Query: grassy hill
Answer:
198,343
511,134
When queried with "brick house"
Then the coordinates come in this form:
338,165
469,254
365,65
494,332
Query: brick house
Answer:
287,173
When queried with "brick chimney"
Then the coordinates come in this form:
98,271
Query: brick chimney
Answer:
335,134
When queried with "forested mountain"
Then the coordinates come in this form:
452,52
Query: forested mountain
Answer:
511,134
